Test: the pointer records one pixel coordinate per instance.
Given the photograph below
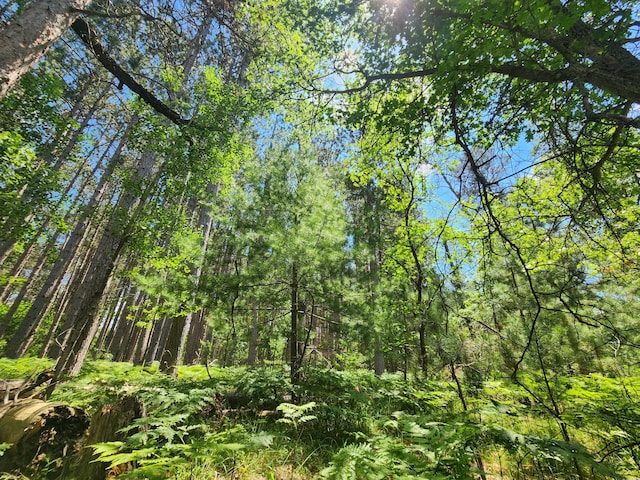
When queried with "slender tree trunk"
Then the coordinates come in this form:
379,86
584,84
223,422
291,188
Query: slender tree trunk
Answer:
28,36
123,338
20,264
378,359
158,336
45,299
142,347
135,349
42,302
129,350
83,308
23,291
59,334
253,337
7,246
173,352
422,334
87,290
85,298
193,350
422,328
293,334
112,315
50,344
115,338
12,224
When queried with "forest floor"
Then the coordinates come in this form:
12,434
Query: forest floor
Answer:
239,423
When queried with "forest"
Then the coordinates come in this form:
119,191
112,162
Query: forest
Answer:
339,239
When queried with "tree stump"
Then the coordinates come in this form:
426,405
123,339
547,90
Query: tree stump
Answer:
105,426
43,434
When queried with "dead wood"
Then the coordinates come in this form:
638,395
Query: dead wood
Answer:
105,426
31,387
43,434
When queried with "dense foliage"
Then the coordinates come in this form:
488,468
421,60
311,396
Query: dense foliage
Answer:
370,238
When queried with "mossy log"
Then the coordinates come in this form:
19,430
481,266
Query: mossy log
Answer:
42,435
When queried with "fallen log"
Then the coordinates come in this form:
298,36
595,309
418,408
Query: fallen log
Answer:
42,435
31,387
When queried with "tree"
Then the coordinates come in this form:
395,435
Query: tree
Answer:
285,225
533,41
478,79
483,71
28,36
102,233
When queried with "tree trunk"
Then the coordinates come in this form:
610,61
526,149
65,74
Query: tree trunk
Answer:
58,335
42,303
142,347
4,323
105,427
158,337
171,353
293,334
253,337
122,325
378,359
86,293
12,224
28,36
422,334
193,349
41,433
111,318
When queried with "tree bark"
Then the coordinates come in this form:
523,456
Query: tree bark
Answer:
27,37
142,347
121,324
193,349
158,337
378,359
253,337
58,334
54,161
4,323
293,334
86,295
170,354
105,427
110,321
41,433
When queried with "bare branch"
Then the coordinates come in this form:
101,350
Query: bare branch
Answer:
95,13
90,38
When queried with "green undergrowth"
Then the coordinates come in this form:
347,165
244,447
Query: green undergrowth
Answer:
252,423
23,367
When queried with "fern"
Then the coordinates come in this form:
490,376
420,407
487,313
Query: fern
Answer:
171,436
296,415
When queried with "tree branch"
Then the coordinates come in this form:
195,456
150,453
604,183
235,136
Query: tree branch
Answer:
90,38
510,70
95,13
613,69
369,79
